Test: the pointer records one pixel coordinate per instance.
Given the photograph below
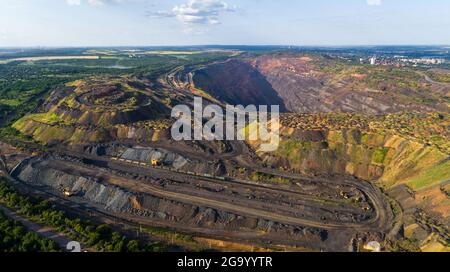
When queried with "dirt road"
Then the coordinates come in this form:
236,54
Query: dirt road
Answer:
253,208
432,81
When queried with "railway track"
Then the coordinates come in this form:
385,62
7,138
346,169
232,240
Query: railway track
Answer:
378,200
376,223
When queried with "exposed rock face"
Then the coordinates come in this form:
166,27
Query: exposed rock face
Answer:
39,172
160,155
304,86
237,83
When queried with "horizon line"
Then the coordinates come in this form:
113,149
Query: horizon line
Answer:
218,45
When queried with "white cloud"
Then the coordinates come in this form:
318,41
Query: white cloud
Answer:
374,2
193,12
201,11
96,2
73,2
196,12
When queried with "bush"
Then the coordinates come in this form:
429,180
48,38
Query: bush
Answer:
15,238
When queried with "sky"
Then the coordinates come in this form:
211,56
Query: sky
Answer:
226,22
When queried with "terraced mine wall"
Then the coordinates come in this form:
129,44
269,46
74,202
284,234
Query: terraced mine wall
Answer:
57,133
38,172
415,175
45,172
310,84
370,156
157,157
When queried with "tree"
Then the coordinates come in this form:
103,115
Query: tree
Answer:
133,246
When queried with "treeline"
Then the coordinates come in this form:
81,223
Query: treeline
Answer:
99,237
5,110
14,237
22,94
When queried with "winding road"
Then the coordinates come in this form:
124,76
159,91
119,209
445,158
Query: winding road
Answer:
432,81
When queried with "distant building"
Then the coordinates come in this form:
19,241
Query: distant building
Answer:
424,61
373,61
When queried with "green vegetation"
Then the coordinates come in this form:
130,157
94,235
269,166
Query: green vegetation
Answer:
290,149
427,128
22,93
400,84
404,148
379,156
403,245
442,76
18,139
429,177
47,118
263,177
24,85
187,241
99,237
15,238
391,78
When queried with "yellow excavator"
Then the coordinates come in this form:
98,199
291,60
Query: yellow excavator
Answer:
155,162
67,192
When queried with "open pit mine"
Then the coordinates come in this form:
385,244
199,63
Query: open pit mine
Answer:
337,182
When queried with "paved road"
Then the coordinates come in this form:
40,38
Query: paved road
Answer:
47,232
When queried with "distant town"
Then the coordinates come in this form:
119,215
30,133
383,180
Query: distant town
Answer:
401,61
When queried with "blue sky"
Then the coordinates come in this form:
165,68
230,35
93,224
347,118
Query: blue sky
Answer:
187,22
